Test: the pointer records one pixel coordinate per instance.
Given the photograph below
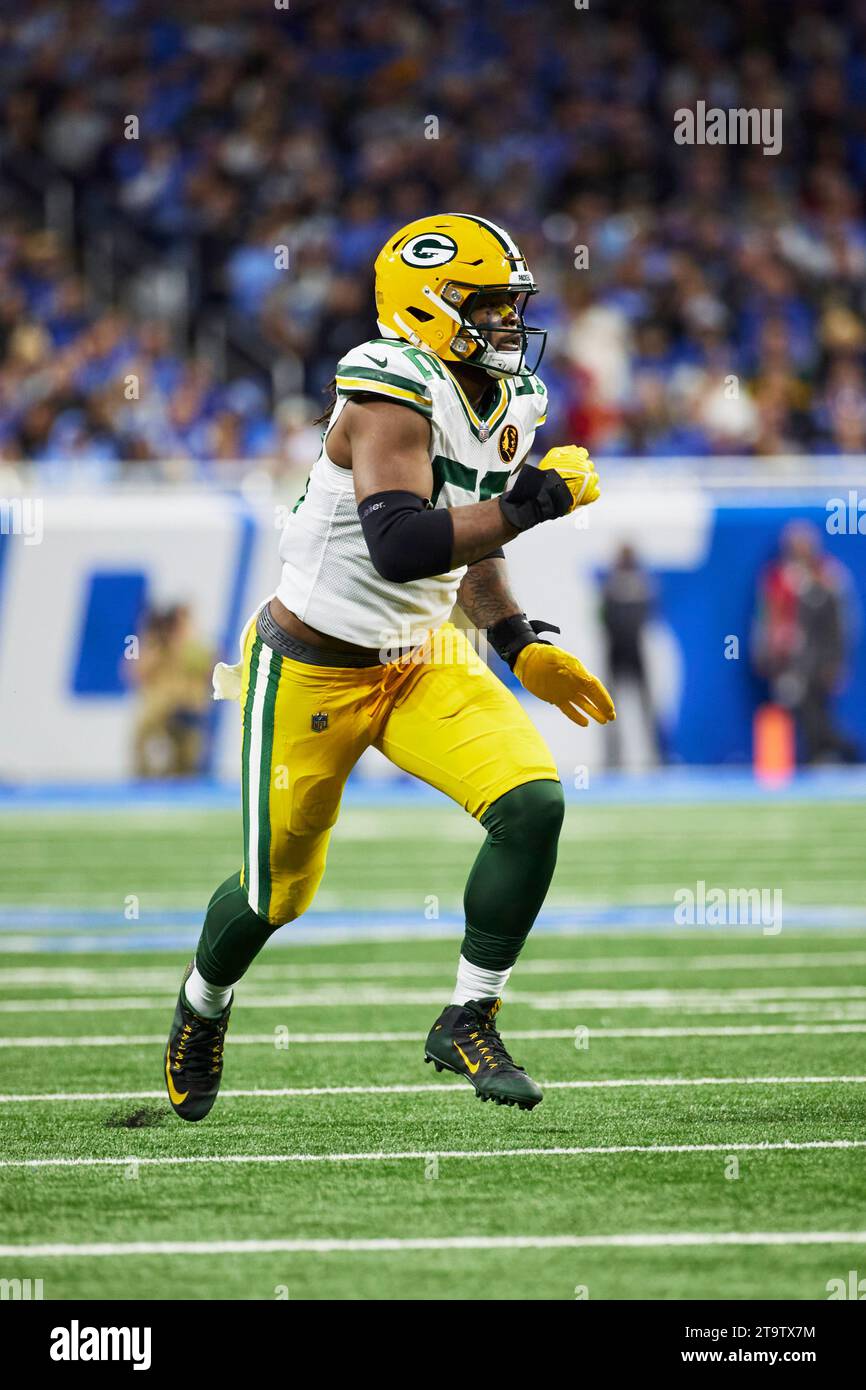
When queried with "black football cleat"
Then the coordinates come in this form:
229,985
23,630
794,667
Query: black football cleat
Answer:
194,1057
464,1040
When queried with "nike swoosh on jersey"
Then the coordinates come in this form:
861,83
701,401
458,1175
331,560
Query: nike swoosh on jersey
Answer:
383,363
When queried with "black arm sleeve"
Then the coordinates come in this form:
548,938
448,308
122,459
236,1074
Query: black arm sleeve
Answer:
406,537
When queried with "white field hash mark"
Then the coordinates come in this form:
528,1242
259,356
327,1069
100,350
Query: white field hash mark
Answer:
169,1161
745,1030
392,1244
402,1089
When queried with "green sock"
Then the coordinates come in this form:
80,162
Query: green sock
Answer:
511,876
232,935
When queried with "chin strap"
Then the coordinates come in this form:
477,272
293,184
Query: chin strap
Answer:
509,636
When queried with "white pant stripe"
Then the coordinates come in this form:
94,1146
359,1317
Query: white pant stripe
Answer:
260,676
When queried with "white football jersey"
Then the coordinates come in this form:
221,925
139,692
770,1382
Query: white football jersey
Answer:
328,579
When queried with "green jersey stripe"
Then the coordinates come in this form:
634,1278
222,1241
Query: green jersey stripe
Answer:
374,374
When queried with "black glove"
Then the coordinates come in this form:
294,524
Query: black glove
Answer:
537,495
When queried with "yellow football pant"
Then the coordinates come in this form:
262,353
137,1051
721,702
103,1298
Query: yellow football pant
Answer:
445,718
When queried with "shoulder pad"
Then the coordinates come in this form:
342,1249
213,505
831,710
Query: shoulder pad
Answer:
530,395
392,369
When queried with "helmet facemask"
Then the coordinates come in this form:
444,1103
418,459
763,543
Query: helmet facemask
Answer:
473,343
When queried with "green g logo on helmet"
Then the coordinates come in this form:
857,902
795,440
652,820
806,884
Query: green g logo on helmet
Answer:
429,248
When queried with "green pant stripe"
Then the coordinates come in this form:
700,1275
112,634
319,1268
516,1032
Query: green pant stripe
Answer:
264,845
245,754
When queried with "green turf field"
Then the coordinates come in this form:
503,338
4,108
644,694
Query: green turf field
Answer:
702,1133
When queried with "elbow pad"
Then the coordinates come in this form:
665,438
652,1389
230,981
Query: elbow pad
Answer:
406,537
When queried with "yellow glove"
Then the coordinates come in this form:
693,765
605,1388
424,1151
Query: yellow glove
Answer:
577,470
558,677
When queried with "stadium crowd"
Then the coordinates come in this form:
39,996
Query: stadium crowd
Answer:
154,159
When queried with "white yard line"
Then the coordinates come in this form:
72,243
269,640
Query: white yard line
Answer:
385,998
790,1146
399,1088
746,1030
157,977
391,1244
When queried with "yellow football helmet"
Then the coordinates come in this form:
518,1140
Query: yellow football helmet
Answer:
429,276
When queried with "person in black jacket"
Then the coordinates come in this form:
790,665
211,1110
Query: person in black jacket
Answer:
628,598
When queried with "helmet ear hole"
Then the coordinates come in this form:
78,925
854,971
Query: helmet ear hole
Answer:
420,314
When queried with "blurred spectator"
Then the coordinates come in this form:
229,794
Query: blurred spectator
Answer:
720,306
802,636
173,676
628,598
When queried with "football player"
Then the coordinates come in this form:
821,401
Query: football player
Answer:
416,490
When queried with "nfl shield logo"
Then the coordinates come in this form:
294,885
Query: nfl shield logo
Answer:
484,433
319,722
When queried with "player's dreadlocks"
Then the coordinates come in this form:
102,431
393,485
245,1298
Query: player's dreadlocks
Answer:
331,391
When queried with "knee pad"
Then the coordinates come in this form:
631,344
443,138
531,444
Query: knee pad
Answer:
532,813
291,901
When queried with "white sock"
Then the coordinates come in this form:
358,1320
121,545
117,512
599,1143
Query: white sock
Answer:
475,983
204,998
